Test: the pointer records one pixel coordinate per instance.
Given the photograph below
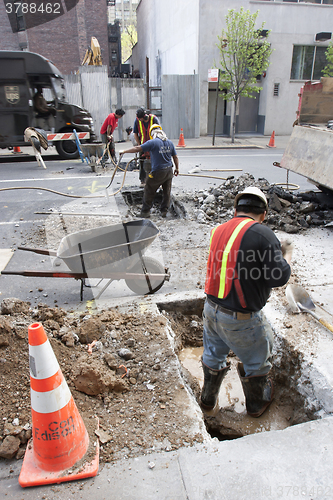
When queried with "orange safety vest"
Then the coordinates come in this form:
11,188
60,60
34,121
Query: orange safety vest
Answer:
225,242
144,132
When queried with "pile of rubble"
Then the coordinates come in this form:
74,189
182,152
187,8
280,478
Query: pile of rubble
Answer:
287,211
119,367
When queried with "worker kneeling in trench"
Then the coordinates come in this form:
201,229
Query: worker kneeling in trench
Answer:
246,260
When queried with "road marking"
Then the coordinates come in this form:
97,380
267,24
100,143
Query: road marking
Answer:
19,222
5,255
50,179
232,156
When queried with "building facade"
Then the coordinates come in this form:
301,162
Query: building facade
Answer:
181,38
61,34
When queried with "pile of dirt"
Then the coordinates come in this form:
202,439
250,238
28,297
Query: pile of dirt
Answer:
119,367
287,211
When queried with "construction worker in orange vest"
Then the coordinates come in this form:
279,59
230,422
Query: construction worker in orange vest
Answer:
246,260
141,131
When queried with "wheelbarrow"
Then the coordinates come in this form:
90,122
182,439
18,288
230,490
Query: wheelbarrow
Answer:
111,252
300,301
93,152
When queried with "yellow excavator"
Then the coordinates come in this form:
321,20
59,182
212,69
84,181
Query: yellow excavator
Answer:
93,55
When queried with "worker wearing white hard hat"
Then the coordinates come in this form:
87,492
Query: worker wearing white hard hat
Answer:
246,260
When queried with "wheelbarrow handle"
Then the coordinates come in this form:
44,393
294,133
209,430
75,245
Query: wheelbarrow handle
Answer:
43,251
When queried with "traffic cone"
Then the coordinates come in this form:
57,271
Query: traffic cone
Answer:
271,143
181,142
17,149
59,436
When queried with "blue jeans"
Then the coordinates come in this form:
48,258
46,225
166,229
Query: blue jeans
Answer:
251,340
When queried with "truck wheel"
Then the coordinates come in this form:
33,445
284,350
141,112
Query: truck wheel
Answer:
140,285
67,150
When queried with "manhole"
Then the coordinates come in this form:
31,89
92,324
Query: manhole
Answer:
231,421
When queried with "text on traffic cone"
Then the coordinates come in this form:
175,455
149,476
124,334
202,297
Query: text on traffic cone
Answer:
59,436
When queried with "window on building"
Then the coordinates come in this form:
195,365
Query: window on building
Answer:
308,62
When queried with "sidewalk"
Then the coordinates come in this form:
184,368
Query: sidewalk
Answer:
204,142
288,464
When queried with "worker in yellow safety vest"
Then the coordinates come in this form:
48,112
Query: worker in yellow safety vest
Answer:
246,260
141,130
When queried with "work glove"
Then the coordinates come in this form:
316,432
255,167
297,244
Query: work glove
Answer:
286,247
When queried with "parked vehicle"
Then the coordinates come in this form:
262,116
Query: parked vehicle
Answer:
309,151
21,74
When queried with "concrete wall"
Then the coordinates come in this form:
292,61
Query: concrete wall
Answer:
180,38
92,89
180,105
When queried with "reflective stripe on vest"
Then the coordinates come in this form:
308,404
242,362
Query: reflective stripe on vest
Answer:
144,133
225,257
225,242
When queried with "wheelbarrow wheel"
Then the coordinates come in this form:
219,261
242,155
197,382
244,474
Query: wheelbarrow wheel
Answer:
139,285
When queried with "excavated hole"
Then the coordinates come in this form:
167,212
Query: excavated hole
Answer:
231,421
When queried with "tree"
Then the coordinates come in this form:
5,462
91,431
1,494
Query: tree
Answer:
328,70
244,54
129,37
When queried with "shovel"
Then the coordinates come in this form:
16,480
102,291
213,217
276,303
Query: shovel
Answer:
300,301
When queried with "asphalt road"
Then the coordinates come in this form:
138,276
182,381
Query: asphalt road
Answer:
25,211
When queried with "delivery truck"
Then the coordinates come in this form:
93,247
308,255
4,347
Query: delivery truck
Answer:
23,77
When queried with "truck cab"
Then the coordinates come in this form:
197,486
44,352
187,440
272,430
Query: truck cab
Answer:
22,74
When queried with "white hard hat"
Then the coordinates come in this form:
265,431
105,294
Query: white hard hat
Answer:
253,191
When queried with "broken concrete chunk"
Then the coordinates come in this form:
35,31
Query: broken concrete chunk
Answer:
9,447
306,207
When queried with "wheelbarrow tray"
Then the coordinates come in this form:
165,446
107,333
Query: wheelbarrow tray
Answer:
96,149
103,249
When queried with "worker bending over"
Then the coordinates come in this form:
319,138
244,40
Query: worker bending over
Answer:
162,152
107,129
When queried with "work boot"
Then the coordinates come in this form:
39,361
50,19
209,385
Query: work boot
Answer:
212,383
144,215
258,391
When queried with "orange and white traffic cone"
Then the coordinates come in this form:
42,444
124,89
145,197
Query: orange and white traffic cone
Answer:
17,149
181,142
271,143
59,436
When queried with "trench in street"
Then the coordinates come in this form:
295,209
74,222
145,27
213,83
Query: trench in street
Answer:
230,420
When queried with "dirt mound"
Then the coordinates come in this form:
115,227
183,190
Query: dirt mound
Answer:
119,367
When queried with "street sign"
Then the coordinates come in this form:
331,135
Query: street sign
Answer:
213,75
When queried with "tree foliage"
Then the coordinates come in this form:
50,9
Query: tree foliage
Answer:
244,54
129,37
328,70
